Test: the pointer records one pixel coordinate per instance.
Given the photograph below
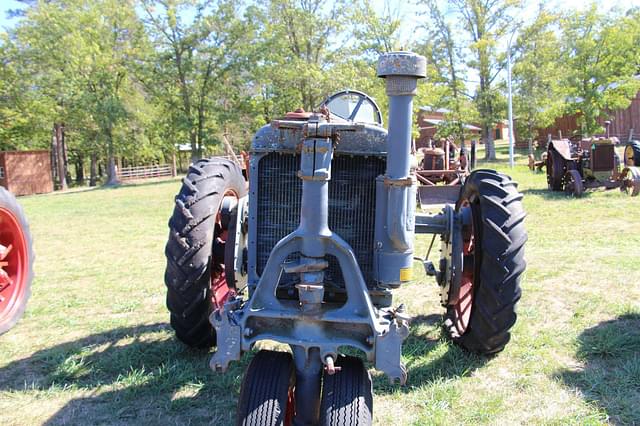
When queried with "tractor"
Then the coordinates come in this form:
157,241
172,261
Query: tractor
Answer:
16,261
592,163
307,245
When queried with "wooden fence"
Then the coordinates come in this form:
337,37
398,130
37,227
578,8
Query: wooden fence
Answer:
145,172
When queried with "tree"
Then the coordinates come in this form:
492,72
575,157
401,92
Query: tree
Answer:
79,54
486,22
447,73
539,95
197,60
601,53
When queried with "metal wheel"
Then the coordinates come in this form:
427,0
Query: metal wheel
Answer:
630,181
555,170
573,183
16,261
266,394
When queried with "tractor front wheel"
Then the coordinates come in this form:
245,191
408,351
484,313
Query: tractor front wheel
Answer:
196,278
347,395
482,311
16,261
266,394
573,183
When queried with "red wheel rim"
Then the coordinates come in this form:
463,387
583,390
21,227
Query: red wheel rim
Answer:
290,412
463,302
220,290
14,264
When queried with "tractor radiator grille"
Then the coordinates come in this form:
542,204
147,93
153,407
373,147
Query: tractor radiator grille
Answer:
351,208
603,158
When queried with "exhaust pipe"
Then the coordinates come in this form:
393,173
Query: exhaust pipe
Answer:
396,190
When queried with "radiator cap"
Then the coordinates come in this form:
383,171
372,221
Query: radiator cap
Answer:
407,64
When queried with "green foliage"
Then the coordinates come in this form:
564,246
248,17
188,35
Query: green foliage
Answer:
539,94
602,58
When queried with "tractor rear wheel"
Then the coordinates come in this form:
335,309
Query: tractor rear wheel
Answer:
195,276
632,154
266,391
555,170
347,395
482,312
16,261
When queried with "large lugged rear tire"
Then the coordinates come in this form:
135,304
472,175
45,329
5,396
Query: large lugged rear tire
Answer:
191,267
632,154
347,396
555,170
16,260
266,389
494,257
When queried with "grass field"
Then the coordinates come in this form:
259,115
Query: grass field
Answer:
94,346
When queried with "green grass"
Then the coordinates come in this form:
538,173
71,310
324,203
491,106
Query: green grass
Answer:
94,346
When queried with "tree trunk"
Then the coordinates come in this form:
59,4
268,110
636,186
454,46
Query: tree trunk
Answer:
65,160
93,169
489,146
79,163
57,135
195,154
112,174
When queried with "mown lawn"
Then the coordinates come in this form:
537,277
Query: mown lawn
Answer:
94,346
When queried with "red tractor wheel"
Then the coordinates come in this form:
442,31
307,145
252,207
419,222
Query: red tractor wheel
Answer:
16,261
481,310
199,274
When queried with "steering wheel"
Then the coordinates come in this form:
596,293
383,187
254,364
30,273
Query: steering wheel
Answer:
353,105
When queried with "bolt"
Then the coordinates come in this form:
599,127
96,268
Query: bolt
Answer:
329,367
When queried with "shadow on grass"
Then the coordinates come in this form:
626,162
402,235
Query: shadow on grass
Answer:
610,378
430,359
134,375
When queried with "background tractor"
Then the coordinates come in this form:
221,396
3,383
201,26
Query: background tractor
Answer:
308,252
16,261
591,163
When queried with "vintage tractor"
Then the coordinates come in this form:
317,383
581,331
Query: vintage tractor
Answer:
591,163
16,261
308,253
441,172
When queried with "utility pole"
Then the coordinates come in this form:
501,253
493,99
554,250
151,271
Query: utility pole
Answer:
511,135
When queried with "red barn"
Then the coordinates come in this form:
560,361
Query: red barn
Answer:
26,172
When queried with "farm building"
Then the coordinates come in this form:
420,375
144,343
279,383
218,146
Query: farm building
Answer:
429,119
624,122
26,172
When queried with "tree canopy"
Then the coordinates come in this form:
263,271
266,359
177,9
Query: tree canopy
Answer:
117,82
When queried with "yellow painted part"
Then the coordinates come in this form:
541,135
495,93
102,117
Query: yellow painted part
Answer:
406,274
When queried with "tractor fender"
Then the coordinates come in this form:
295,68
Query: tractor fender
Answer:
562,147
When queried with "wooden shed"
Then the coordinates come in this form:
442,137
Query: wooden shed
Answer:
26,172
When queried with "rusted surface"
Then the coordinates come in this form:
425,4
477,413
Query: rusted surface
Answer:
562,147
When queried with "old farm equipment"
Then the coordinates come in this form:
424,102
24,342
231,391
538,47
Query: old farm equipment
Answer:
590,163
16,261
441,172
308,253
